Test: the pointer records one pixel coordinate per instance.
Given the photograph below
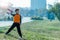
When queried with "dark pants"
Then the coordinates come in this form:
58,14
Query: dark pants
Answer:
17,25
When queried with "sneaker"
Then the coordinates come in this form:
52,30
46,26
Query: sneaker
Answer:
22,39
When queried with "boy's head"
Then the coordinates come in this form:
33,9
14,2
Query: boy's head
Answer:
17,10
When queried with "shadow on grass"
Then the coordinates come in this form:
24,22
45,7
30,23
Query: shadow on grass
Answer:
12,36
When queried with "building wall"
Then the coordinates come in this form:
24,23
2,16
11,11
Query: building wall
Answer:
39,7
38,4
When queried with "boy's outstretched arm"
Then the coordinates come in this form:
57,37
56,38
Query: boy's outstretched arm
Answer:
12,14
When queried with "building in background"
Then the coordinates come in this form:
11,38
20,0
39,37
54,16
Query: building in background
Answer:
39,7
38,4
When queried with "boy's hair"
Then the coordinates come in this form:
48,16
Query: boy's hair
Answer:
16,10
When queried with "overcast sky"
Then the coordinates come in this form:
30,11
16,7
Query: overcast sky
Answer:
21,3
52,1
16,3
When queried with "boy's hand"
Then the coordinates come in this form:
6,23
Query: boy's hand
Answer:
10,11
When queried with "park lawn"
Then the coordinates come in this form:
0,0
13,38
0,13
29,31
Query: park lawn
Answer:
35,30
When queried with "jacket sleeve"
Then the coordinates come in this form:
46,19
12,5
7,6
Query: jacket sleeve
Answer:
20,19
13,14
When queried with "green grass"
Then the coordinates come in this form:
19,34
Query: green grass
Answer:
35,30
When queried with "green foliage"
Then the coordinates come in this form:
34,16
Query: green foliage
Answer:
56,10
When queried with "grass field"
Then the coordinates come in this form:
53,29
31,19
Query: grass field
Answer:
36,30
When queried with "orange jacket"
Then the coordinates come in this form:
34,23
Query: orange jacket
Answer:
17,18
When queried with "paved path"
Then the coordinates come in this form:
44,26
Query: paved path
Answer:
7,23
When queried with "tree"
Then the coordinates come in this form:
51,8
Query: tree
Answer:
56,10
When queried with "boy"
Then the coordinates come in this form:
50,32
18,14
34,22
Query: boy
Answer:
17,23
